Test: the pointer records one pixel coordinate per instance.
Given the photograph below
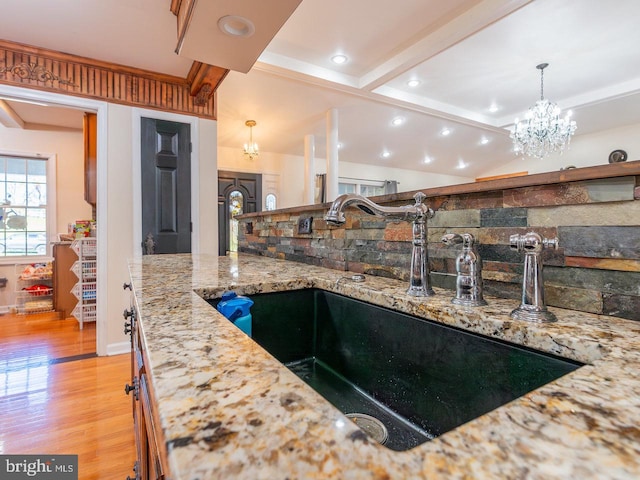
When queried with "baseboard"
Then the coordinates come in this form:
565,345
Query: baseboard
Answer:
118,348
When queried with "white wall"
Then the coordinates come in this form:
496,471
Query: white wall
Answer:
290,169
584,151
208,187
409,180
68,147
123,203
118,217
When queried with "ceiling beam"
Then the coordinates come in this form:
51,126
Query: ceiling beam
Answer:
183,10
448,34
204,80
8,116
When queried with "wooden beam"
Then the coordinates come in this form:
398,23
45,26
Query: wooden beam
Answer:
184,12
8,116
175,6
498,177
204,80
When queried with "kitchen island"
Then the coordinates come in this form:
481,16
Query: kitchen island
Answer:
225,408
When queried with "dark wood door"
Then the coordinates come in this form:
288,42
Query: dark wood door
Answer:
166,187
249,187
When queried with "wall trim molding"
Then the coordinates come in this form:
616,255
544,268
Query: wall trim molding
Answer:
118,348
48,70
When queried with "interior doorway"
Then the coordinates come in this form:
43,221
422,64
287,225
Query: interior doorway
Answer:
237,193
65,114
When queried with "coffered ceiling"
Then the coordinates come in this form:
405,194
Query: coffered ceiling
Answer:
474,61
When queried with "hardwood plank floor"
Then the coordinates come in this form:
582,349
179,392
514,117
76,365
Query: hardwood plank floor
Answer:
57,397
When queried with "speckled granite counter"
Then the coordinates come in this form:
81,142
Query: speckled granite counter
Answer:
229,410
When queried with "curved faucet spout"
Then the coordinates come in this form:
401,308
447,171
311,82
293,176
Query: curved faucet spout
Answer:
335,215
418,213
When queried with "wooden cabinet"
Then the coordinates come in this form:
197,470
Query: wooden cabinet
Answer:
63,279
151,463
90,127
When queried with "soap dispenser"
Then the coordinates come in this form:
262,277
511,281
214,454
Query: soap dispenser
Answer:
469,270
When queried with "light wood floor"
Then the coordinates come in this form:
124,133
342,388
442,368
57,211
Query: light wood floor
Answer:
57,397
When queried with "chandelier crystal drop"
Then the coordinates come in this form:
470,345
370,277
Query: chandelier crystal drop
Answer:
543,131
251,148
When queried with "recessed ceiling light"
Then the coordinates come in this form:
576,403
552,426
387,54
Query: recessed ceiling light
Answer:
339,145
339,59
484,141
427,159
413,83
386,154
397,121
461,164
236,26
493,108
445,131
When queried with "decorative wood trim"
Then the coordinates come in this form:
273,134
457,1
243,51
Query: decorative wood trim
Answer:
498,177
48,70
175,6
204,80
184,12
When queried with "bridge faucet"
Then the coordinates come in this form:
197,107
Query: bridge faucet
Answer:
418,213
469,270
532,308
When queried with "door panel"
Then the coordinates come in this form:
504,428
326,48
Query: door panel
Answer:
250,185
166,186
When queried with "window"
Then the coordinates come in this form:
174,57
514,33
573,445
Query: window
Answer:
346,188
270,202
24,214
366,188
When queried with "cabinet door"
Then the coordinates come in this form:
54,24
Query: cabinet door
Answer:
63,280
154,460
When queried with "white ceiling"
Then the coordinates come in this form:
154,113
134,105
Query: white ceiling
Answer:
467,54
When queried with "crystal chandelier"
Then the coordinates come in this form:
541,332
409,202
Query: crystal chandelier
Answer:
251,148
542,132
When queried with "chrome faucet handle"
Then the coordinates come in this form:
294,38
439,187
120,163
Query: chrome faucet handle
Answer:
469,271
531,242
532,307
466,239
427,212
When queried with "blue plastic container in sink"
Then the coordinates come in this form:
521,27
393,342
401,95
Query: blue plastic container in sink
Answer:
237,308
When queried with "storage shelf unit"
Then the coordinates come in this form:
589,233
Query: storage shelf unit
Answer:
34,288
85,289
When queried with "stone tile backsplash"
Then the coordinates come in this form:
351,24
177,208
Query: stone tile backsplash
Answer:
596,269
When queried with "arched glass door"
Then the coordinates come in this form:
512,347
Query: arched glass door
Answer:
236,207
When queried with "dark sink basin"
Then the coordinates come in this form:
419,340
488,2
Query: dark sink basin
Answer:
419,378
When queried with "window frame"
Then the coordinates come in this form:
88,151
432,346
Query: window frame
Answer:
51,160
361,182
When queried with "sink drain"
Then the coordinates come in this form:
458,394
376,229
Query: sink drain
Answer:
371,426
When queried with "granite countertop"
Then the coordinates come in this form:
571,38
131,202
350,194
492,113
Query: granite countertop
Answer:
228,409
